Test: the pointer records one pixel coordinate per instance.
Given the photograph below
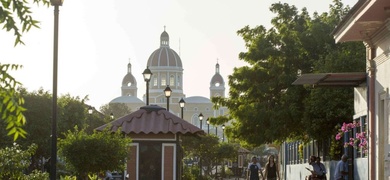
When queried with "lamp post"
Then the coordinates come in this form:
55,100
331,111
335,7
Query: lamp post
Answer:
208,126
112,116
200,120
200,159
216,130
53,161
223,132
182,103
167,92
147,75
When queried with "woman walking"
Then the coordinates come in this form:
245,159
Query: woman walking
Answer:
271,169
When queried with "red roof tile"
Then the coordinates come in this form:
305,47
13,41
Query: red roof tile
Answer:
152,119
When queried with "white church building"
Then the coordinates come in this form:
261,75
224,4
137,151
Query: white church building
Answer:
167,70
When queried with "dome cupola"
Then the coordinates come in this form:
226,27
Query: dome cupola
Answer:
217,84
129,83
164,56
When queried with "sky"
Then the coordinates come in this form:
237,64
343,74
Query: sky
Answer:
97,39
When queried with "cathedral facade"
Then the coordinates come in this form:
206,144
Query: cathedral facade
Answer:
167,70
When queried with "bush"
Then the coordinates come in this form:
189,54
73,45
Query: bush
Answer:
14,162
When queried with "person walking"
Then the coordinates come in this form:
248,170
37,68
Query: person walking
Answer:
319,169
254,169
271,169
341,172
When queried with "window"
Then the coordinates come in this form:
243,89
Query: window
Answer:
363,128
163,80
129,84
172,80
154,81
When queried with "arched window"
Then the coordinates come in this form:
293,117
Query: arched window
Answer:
195,120
154,80
172,80
163,80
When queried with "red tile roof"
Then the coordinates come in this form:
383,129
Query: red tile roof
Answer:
152,119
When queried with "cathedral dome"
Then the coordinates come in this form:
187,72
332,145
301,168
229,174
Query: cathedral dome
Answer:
217,80
127,99
164,56
129,80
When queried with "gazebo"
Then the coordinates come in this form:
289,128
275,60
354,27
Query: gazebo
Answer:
155,151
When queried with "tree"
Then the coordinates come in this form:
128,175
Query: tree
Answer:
11,102
117,109
91,154
15,161
209,150
11,108
264,104
38,104
20,10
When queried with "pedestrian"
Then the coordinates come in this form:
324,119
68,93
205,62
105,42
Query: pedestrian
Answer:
319,169
254,169
341,172
312,176
271,169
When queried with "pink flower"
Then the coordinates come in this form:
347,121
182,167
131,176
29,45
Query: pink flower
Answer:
359,141
338,136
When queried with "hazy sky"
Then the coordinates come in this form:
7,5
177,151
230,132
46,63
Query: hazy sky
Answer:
97,38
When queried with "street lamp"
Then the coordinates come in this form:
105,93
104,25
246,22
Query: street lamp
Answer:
200,160
167,92
90,110
112,116
53,161
182,103
208,126
223,132
200,119
147,75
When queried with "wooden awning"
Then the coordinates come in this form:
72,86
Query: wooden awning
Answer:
353,79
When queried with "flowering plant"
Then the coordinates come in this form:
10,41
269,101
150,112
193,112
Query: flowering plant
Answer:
359,141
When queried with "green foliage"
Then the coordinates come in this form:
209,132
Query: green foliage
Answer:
264,104
90,154
11,102
36,175
209,150
17,12
71,112
117,109
68,178
14,161
190,172
336,149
